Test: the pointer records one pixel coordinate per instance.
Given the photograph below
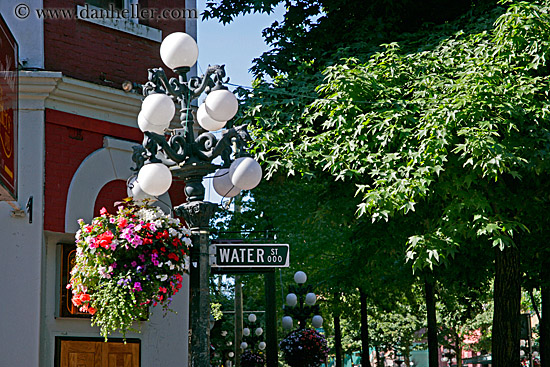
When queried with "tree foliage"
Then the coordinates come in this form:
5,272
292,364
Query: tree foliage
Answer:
420,143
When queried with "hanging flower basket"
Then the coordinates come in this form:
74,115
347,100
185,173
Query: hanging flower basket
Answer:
304,348
251,359
127,262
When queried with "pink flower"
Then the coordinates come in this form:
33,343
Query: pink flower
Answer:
103,211
122,222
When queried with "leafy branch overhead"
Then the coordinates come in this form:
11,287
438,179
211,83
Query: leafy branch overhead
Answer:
459,122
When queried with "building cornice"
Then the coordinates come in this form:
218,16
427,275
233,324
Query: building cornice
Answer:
78,97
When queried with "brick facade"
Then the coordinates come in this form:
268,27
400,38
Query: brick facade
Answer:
69,140
102,55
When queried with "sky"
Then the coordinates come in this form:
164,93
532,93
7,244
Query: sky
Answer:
234,45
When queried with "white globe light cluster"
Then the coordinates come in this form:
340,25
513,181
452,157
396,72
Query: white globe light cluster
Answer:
219,107
157,110
243,174
179,50
292,300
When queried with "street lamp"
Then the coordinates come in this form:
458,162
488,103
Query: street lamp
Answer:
301,304
166,153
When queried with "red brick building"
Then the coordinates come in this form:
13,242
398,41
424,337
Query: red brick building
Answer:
75,132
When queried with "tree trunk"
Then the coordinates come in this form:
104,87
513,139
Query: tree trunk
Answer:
338,332
458,349
506,319
407,356
365,355
433,356
545,327
379,362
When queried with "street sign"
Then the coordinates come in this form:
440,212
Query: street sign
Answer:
250,255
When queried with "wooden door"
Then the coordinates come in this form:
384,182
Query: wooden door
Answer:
120,355
83,353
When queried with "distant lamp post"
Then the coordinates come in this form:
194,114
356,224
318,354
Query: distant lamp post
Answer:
190,159
301,304
448,356
253,339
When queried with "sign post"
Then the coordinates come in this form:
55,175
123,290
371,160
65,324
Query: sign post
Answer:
233,257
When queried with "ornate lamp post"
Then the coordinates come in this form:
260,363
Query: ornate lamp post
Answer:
253,338
190,158
301,304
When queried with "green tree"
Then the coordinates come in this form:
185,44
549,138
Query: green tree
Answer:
445,126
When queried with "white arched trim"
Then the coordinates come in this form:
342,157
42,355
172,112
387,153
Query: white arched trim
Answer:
112,162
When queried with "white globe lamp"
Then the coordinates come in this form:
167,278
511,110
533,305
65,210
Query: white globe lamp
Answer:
246,331
287,322
179,50
223,185
244,345
158,109
262,345
317,321
300,277
207,122
291,299
311,298
259,331
133,189
252,317
221,105
145,125
154,178
245,173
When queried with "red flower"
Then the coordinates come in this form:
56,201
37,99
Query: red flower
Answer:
76,300
173,257
103,211
147,241
122,222
91,310
105,239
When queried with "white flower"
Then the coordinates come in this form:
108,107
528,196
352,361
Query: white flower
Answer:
162,277
169,263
